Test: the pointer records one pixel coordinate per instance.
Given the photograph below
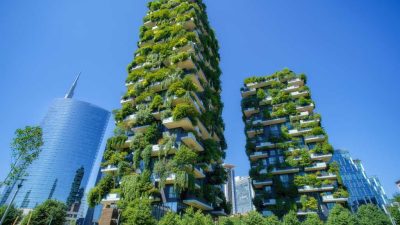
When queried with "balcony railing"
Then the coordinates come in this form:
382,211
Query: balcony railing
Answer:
306,189
314,138
316,166
269,122
302,115
277,171
331,198
253,132
305,213
197,203
262,145
155,150
260,184
306,108
184,123
246,92
258,155
199,173
250,111
292,88
191,141
169,180
322,157
111,198
327,176
296,132
296,81
298,94
109,169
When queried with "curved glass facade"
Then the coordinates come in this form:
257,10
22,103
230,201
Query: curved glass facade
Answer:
72,133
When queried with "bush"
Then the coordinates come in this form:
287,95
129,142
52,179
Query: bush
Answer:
371,215
253,218
50,210
12,215
183,110
290,219
340,216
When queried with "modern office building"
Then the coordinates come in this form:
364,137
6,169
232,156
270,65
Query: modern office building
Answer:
244,195
229,187
170,119
72,133
287,147
362,189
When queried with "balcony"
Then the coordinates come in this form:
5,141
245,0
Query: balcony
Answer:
306,108
269,122
253,132
321,157
260,83
197,203
260,184
302,115
130,100
267,202
219,212
157,114
184,123
331,199
149,24
187,64
190,140
305,213
307,122
193,99
266,100
314,138
308,189
298,94
131,118
157,87
109,169
292,88
250,111
296,132
128,142
278,171
296,81
246,92
316,166
190,47
199,173
111,198
205,134
189,24
155,150
327,176
258,155
170,179
262,145
140,129
196,82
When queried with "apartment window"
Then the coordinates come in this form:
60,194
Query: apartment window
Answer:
284,179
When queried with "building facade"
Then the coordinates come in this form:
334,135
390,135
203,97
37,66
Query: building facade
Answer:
244,195
72,133
170,121
229,187
398,184
362,189
287,148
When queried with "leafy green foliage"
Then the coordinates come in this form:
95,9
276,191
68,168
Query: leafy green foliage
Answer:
272,220
170,219
312,219
12,215
50,210
395,213
371,215
26,147
253,218
195,218
138,212
340,216
183,110
261,94
97,193
290,219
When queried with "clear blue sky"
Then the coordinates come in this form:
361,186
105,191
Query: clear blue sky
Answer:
350,51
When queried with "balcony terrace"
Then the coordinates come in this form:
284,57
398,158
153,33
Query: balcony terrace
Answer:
253,132
296,81
140,129
246,92
111,198
321,157
331,199
308,189
190,140
302,115
109,169
267,202
327,176
278,171
250,111
298,94
184,123
292,88
314,138
263,183
269,122
197,203
316,166
295,132
258,155
307,108
262,145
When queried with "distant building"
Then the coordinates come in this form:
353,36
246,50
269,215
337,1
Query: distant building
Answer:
244,195
229,187
362,189
72,133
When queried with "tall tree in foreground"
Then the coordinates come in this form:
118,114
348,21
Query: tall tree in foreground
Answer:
253,218
341,216
312,219
290,219
26,147
50,212
371,215
395,213
13,214
272,220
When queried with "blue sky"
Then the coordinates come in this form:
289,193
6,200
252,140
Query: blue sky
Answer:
350,51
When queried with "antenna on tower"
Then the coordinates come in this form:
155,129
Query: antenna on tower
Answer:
70,93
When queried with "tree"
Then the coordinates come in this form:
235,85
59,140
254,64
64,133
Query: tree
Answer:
272,220
195,218
253,218
49,211
395,213
371,215
340,216
138,212
26,147
169,219
312,219
290,219
12,215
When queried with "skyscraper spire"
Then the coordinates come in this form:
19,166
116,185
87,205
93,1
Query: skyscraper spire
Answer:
70,93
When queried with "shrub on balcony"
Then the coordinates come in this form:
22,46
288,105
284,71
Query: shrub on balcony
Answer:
100,191
291,219
317,131
261,94
280,98
181,87
341,193
126,110
157,103
323,148
304,101
308,203
183,110
143,116
182,56
307,180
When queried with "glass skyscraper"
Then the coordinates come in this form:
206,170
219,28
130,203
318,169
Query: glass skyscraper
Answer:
72,133
362,189
244,195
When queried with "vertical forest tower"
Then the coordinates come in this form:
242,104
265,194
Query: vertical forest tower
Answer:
169,144
287,147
